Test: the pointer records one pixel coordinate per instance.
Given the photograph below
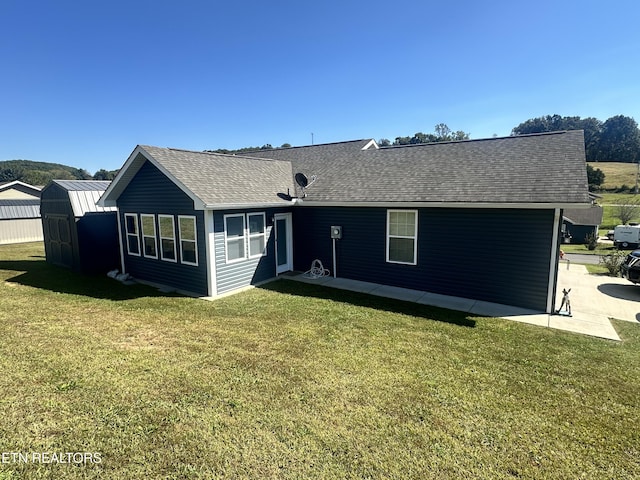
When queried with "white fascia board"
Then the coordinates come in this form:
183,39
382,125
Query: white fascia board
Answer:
532,206
198,204
129,170
13,183
246,206
372,143
121,180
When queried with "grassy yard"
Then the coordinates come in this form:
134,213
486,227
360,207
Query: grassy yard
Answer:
617,174
299,381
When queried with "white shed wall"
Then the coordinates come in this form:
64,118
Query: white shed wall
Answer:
21,230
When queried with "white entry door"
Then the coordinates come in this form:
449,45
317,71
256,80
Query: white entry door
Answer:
284,242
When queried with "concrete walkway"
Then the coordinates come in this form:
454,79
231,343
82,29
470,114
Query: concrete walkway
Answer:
594,299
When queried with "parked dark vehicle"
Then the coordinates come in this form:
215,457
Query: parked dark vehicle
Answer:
631,267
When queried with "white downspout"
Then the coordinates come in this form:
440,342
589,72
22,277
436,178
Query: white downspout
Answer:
211,253
553,262
120,241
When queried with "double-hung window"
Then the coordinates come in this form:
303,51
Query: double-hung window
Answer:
167,231
402,236
188,240
234,237
133,238
257,234
148,227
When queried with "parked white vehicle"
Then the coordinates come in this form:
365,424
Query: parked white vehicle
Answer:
626,236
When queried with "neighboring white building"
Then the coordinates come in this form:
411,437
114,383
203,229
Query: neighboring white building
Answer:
20,213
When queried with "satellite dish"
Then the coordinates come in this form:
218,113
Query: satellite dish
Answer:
285,196
301,180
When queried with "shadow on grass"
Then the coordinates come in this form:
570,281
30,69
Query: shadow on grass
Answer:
38,273
371,301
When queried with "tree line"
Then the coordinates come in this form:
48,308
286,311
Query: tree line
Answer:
442,133
41,173
617,139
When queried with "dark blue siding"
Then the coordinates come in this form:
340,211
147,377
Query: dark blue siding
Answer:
472,253
579,232
98,242
151,192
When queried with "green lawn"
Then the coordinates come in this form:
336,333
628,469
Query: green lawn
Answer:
610,202
299,381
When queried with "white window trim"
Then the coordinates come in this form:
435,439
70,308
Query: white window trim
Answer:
155,239
194,241
173,239
130,234
226,238
414,237
257,235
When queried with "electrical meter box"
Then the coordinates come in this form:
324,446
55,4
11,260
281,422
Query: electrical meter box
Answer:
336,232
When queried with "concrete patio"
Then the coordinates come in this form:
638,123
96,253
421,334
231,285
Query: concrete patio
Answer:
594,300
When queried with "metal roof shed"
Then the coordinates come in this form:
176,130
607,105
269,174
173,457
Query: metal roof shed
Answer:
79,234
20,221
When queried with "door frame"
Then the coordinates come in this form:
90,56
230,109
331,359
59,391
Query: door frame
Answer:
287,217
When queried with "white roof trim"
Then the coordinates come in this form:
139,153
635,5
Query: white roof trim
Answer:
130,169
372,143
246,206
18,182
495,205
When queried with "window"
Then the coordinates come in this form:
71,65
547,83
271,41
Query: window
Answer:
167,238
148,226
133,240
402,236
234,237
188,240
257,234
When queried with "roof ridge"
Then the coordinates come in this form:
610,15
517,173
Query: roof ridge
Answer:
77,180
218,154
313,145
469,140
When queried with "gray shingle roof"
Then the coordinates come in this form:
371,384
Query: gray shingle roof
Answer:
541,168
218,179
325,150
584,216
530,169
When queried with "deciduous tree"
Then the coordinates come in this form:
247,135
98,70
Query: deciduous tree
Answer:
595,177
619,140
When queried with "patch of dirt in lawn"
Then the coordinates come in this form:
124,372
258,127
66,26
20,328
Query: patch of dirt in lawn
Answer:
142,340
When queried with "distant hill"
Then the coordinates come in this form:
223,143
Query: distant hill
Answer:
618,176
41,173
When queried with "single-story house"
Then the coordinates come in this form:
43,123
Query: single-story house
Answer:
19,213
447,218
578,224
78,233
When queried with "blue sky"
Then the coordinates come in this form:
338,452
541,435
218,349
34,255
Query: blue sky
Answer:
84,82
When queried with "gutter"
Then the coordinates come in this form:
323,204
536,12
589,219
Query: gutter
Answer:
485,205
